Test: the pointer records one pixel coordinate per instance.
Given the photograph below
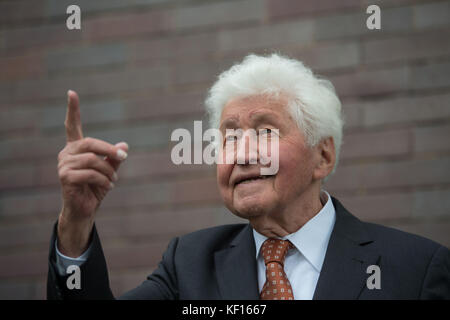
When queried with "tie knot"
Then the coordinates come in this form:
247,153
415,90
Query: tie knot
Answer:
275,250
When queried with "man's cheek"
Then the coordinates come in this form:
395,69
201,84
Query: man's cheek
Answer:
223,174
289,168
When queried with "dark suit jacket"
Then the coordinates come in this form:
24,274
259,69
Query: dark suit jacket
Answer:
219,263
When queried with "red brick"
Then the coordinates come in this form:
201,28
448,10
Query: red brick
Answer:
432,138
288,8
376,144
195,73
150,50
16,290
93,113
123,196
47,173
353,114
23,264
26,234
395,174
40,289
20,205
16,177
75,57
21,67
195,46
432,14
353,24
432,204
379,207
89,8
410,109
109,82
165,105
18,119
221,13
267,37
19,11
157,193
30,148
431,76
198,190
329,56
40,35
176,48
125,24
160,223
371,82
406,47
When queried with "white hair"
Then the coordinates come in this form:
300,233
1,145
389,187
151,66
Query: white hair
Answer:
312,101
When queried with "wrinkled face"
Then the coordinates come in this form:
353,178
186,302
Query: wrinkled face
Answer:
243,191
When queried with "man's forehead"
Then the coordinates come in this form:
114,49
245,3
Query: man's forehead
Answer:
253,108
260,115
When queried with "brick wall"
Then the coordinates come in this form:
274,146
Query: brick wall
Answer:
142,68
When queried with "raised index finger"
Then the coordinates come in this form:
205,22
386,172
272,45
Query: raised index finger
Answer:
73,120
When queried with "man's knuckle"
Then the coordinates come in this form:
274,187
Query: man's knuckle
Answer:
88,142
60,165
92,175
91,158
63,175
60,156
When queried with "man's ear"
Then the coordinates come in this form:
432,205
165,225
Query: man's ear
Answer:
326,153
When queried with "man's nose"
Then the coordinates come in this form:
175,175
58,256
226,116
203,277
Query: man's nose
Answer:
247,148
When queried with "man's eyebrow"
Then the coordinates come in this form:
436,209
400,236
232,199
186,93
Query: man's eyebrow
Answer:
257,117
232,122
264,117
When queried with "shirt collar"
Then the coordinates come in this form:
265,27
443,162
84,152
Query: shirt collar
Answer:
311,240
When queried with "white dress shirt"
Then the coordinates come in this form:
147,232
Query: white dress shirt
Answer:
63,262
303,263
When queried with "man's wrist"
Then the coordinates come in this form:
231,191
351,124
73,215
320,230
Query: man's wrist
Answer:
73,236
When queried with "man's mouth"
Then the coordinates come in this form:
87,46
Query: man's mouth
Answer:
252,179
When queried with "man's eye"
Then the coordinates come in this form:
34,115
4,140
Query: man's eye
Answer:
230,138
265,131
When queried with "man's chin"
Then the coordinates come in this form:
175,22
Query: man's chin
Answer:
250,208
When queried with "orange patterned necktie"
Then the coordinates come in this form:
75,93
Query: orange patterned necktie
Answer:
277,286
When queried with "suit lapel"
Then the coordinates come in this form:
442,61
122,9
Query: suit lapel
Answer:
343,274
236,268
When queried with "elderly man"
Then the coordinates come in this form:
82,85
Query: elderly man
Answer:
300,242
